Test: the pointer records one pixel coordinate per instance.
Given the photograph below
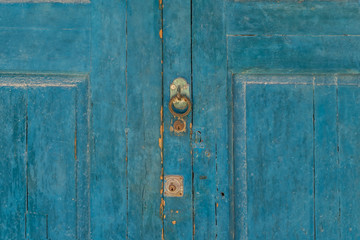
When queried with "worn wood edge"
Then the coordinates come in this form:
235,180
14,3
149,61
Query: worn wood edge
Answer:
326,79
24,80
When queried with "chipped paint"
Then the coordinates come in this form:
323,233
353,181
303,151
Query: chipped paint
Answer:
162,206
161,33
161,146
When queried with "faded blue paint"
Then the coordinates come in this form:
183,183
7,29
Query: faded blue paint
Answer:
271,147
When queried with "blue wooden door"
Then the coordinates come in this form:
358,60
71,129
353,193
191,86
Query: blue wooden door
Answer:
266,148
293,73
81,95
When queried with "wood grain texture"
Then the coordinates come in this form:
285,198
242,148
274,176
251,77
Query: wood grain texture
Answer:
326,173
44,1
349,141
12,164
144,115
108,189
178,211
270,149
277,205
211,165
293,18
327,177
51,166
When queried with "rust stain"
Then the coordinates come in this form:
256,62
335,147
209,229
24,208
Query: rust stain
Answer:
162,206
161,146
174,222
217,204
164,216
177,211
161,33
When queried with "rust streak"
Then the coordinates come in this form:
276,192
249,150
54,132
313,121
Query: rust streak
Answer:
161,146
162,206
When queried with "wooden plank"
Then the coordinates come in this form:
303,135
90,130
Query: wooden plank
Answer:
327,169
240,161
279,172
12,163
82,159
44,1
45,50
144,100
212,166
296,53
51,166
36,226
178,211
293,18
108,192
349,152
45,16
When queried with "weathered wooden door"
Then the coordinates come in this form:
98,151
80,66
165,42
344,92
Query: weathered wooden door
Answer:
261,139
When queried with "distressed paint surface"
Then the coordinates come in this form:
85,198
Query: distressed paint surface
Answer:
45,1
178,211
293,69
271,145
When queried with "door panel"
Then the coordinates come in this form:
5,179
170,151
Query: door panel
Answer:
52,198
56,175
270,148
37,37
296,53
285,57
12,152
349,143
296,156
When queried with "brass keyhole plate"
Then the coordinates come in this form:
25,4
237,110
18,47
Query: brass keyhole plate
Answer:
183,86
179,126
174,186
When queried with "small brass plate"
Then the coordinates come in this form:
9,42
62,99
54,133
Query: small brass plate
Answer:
183,86
174,186
179,126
